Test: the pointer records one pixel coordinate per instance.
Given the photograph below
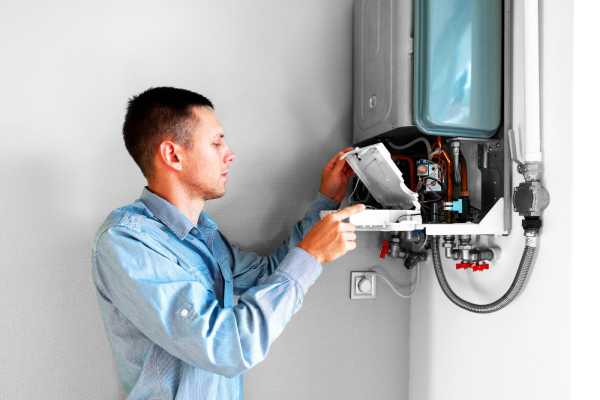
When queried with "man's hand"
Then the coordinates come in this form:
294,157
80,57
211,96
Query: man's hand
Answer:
331,238
335,176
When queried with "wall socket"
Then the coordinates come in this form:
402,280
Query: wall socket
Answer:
362,285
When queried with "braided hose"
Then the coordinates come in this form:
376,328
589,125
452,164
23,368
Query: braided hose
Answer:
513,291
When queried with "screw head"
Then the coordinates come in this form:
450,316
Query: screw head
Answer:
372,102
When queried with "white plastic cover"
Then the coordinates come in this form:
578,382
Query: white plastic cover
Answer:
374,166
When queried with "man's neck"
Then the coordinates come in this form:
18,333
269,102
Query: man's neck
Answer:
189,204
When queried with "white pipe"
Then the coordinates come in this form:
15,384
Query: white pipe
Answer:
531,63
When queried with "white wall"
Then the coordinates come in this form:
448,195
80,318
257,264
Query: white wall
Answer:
585,326
521,352
280,76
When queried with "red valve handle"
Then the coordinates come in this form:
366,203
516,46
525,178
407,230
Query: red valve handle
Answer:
481,267
464,265
385,248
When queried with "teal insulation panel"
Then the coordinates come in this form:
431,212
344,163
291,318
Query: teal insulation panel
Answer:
458,67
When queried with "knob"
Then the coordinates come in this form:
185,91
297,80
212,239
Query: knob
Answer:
364,285
385,248
481,267
464,265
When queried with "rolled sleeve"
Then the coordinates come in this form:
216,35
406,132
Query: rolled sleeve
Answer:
302,267
321,203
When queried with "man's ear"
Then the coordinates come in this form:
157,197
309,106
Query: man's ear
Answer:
170,155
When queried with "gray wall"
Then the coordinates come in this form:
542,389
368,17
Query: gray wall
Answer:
280,76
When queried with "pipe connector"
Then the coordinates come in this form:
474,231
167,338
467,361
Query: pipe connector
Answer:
531,237
531,171
448,245
455,146
396,250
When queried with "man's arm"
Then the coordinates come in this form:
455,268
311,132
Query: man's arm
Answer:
182,315
180,312
249,267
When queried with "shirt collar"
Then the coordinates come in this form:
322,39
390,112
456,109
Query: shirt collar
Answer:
172,217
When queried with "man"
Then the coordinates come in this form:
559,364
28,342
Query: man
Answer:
166,277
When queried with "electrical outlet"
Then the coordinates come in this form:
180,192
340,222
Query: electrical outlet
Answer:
362,285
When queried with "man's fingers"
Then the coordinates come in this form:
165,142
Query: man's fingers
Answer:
348,211
345,151
347,227
349,236
339,165
331,162
348,171
338,157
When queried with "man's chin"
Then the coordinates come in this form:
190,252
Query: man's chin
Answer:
216,195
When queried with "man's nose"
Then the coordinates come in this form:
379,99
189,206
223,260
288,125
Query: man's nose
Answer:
229,157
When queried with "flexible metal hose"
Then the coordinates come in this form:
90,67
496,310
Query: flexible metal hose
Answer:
513,291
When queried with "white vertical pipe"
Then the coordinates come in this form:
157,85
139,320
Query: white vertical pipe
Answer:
531,64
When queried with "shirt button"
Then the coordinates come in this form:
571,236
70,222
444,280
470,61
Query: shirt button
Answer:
184,312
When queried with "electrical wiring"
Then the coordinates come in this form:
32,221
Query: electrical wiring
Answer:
382,273
354,190
421,186
412,143
349,197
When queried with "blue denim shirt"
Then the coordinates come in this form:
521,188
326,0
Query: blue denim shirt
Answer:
166,292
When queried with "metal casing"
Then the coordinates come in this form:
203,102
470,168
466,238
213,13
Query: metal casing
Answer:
382,67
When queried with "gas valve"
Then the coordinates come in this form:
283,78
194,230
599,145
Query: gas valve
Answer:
385,248
474,266
407,246
464,265
481,266
470,257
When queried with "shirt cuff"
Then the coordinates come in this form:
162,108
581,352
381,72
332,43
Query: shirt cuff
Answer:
302,267
322,203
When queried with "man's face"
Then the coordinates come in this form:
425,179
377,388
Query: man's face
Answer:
206,162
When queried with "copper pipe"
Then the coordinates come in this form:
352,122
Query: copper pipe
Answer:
443,158
412,169
464,178
446,165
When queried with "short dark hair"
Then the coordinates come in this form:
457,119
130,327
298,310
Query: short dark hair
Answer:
158,113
